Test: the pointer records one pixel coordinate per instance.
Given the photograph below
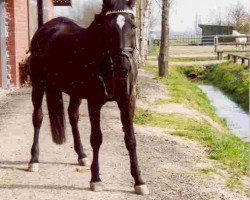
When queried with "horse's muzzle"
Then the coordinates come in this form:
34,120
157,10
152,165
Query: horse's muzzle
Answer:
122,75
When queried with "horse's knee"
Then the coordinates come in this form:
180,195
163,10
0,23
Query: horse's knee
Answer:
96,139
37,117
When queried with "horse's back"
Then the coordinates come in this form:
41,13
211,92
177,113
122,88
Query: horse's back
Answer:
52,30
62,53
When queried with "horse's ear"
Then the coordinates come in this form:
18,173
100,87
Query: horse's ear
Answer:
132,3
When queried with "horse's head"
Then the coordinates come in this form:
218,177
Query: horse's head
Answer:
120,35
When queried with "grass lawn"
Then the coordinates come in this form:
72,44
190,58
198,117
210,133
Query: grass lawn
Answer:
154,50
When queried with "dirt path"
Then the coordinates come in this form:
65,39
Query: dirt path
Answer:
171,166
193,51
155,62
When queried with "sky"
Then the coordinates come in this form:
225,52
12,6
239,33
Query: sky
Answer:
83,11
184,12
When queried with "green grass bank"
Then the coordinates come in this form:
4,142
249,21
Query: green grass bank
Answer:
231,78
223,146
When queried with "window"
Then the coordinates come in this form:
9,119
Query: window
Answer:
62,2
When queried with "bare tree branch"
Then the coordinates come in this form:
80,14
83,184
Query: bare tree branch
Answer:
236,15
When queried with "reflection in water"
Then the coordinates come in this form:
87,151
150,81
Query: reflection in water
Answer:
237,119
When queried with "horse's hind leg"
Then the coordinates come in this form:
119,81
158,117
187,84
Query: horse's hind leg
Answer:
96,141
73,111
37,98
127,106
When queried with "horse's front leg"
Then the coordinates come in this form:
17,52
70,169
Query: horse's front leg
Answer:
73,111
94,108
127,107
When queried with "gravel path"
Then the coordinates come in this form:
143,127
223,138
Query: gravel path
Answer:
171,166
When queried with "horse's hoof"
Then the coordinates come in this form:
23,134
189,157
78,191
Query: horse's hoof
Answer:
141,189
96,186
84,162
33,167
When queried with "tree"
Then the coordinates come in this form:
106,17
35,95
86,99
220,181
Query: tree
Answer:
164,47
145,15
155,18
238,17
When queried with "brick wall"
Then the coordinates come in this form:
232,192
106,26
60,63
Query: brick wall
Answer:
17,40
0,63
21,36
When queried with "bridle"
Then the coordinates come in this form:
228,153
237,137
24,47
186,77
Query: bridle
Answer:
125,52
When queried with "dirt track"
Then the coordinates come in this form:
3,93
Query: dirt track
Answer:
170,165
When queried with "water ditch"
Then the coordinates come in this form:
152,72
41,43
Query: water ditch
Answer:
236,118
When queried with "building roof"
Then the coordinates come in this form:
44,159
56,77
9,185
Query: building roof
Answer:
62,2
210,25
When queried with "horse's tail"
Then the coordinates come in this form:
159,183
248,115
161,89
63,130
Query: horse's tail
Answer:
56,115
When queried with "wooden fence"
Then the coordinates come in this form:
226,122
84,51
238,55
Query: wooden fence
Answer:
237,58
228,44
189,40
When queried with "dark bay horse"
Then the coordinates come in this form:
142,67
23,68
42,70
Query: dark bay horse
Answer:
94,63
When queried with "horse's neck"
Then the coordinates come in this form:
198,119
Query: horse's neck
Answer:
97,23
96,29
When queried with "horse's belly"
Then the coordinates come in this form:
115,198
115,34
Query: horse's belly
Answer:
83,90
81,86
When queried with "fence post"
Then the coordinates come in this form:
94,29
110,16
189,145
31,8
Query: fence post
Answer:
242,60
218,55
216,43
235,59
